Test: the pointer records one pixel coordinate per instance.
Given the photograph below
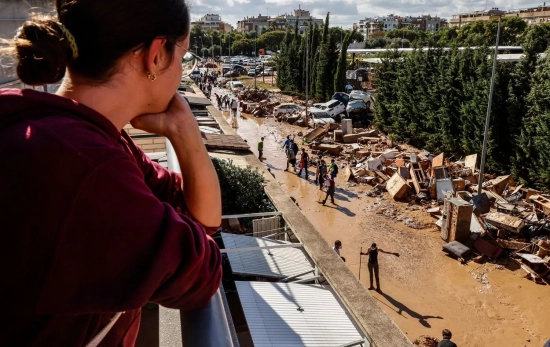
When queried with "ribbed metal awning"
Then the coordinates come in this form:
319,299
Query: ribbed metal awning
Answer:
292,314
276,263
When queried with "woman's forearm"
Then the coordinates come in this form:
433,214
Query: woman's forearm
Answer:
201,188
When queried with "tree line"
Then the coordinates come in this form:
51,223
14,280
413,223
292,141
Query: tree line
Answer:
437,99
211,43
321,52
514,30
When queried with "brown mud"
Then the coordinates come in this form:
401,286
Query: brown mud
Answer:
423,290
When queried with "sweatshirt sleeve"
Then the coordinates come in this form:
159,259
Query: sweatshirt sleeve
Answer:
121,247
166,185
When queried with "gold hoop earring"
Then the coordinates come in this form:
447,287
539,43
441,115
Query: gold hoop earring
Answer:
151,77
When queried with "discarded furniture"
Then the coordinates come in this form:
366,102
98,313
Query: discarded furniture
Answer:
397,186
457,217
504,221
456,249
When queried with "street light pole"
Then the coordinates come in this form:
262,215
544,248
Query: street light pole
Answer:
255,70
488,119
307,71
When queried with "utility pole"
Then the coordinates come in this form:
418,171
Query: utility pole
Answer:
307,71
255,70
498,13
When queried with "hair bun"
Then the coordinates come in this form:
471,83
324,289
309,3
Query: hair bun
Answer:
42,51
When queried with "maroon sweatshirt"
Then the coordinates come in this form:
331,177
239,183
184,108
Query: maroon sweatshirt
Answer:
89,226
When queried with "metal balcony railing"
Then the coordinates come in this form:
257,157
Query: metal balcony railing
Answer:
209,327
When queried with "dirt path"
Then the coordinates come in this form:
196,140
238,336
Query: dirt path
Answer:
423,290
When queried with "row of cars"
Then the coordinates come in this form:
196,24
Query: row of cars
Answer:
234,70
355,105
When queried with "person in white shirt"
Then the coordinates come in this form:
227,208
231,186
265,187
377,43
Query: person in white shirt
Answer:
337,247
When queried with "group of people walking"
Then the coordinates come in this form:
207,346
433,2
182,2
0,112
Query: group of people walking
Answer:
324,175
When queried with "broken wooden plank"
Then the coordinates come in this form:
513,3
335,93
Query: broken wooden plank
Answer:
439,160
470,161
316,133
500,183
350,138
382,175
512,244
504,221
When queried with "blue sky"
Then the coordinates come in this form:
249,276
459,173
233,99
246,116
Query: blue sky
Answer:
345,12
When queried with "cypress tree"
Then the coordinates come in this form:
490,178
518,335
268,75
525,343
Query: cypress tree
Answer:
323,66
340,78
283,63
535,142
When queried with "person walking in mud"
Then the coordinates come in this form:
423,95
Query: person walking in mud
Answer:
226,101
321,173
331,188
372,252
304,160
286,144
234,106
333,169
291,157
261,149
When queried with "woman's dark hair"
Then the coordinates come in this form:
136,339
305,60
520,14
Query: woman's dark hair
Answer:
104,31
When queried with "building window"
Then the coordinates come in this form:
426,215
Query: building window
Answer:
385,25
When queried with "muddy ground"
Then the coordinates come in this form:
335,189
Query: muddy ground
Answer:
423,290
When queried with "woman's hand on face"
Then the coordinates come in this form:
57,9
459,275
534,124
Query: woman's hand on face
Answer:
177,118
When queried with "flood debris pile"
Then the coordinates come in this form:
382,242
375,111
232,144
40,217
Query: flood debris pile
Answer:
258,102
506,221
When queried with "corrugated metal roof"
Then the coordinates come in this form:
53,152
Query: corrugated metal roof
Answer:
278,262
292,314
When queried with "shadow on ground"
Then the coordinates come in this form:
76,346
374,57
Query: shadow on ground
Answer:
422,319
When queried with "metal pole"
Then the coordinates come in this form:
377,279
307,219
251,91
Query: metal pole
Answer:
255,70
307,73
360,263
487,120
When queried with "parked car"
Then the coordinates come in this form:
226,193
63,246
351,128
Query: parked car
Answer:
319,118
237,71
361,95
241,68
286,108
267,72
251,72
342,97
235,86
210,65
356,107
196,74
232,73
334,108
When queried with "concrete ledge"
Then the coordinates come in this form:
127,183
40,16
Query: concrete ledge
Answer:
379,329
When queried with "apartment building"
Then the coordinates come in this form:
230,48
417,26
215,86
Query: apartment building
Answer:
213,22
368,26
302,17
532,15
